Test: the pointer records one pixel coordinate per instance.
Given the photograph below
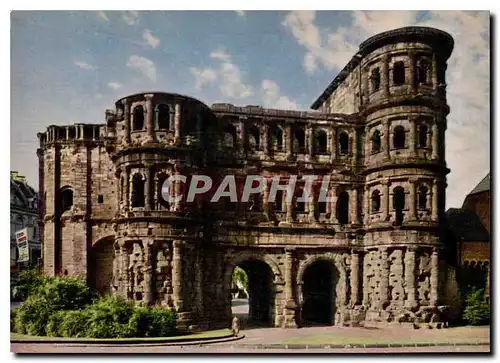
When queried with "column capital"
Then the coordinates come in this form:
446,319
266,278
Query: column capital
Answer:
413,179
290,250
412,249
384,182
178,243
149,96
125,102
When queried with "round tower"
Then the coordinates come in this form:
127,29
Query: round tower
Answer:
404,106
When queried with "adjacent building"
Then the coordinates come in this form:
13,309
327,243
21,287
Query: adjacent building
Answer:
372,256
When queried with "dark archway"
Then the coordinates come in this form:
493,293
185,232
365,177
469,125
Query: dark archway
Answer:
318,294
343,208
261,294
399,204
101,265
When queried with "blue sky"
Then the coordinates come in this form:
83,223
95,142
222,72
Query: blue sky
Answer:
69,67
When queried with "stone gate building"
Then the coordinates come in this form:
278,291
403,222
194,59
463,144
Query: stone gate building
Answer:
372,256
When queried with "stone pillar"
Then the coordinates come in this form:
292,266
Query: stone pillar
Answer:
243,134
177,276
435,141
265,139
148,273
265,199
354,277
366,208
384,77
384,278
177,123
288,140
387,139
124,283
288,209
366,86
290,303
385,207
413,133
126,117
412,71
67,133
409,261
412,212
311,205
333,214
309,142
334,145
434,70
353,208
435,204
149,118
81,132
127,193
148,187
434,280
354,146
366,287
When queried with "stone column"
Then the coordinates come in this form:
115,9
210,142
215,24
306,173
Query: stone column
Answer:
434,280
149,118
127,193
177,123
81,132
409,271
434,70
366,86
366,287
265,199
355,146
148,187
413,71
435,141
412,212
288,209
288,140
290,304
177,276
333,214
366,206
124,286
385,75
354,277
334,145
413,133
177,192
309,142
385,207
243,134
353,208
126,116
67,133
387,139
148,273
265,139
311,205
384,278
435,195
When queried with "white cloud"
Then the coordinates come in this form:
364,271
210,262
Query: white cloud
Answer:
130,17
114,85
272,97
203,76
220,55
102,15
468,77
152,40
143,65
84,65
240,13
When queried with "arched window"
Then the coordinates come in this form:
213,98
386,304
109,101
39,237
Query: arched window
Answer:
422,197
375,78
276,138
163,117
422,71
299,142
66,199
398,73
300,207
138,123
375,201
161,202
344,143
398,199
138,191
278,201
399,137
229,140
422,135
254,204
376,142
254,138
343,208
321,142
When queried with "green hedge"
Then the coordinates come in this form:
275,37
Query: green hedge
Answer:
65,307
477,310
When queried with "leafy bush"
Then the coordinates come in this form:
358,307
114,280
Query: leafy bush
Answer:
109,318
54,323
32,316
74,323
13,314
65,293
477,310
153,322
26,283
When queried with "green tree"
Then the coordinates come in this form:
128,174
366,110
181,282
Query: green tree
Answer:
477,310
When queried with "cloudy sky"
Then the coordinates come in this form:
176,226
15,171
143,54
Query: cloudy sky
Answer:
69,67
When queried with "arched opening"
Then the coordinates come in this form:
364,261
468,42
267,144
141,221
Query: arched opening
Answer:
344,143
254,138
422,135
253,296
300,207
398,195
278,202
299,140
163,115
321,142
138,123
102,264
375,201
398,73
318,297
276,138
422,71
138,198
66,199
376,142
161,204
122,188
422,197
229,135
343,208
375,78
399,137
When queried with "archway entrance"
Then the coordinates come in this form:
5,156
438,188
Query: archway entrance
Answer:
254,305
318,294
100,266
